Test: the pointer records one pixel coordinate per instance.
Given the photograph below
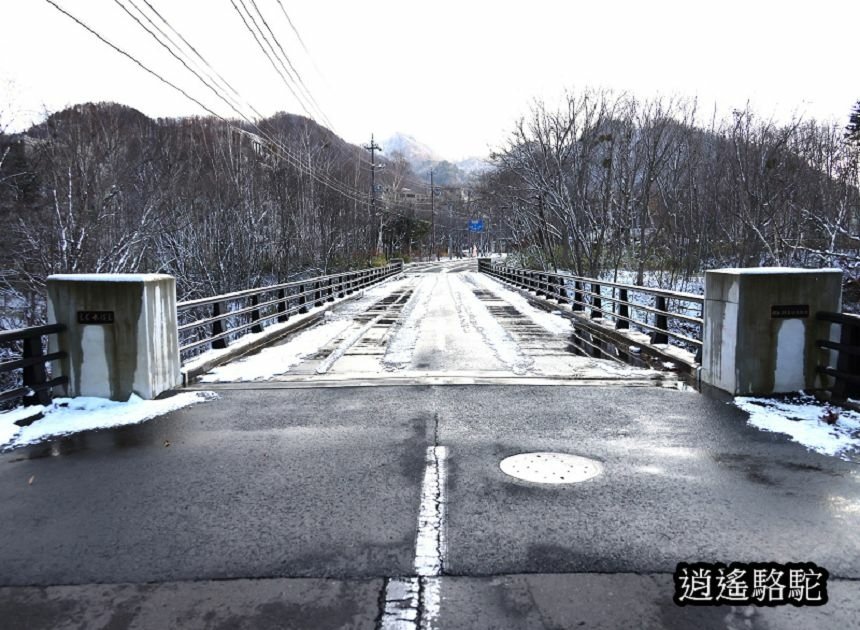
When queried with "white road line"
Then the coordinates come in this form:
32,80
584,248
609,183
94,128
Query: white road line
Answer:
430,542
414,602
401,604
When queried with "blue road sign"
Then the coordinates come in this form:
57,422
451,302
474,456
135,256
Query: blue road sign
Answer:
476,225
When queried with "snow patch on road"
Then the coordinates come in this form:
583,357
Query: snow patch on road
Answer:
275,360
401,344
553,322
800,417
492,333
345,345
65,416
278,359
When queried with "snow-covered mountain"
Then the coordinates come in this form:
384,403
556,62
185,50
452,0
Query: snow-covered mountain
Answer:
422,158
410,148
474,165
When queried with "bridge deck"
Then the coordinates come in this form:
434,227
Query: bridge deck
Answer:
386,507
441,323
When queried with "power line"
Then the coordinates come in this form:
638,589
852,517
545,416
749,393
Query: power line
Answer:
262,138
284,152
295,30
216,92
224,82
288,154
286,58
268,56
127,55
170,50
304,47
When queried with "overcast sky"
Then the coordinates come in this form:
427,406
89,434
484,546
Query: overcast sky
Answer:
455,74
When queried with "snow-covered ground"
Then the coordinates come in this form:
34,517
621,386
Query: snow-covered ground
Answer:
555,324
401,346
457,324
65,416
801,417
473,313
278,359
248,339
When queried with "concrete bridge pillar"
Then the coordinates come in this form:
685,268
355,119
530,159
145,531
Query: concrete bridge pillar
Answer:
760,328
121,333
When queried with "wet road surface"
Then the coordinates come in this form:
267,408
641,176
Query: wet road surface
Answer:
277,506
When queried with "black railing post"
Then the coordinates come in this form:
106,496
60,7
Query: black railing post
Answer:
317,294
848,363
218,328
562,291
255,314
660,321
330,290
596,303
577,297
282,306
35,375
623,310
303,299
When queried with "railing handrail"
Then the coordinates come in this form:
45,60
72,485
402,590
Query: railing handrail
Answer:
224,297
679,295
19,334
279,302
633,305
839,318
587,294
36,386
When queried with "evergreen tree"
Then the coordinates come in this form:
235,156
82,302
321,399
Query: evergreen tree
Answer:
852,131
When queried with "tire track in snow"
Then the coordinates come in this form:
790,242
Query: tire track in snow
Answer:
500,341
401,344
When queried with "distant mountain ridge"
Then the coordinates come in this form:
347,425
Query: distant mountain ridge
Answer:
421,157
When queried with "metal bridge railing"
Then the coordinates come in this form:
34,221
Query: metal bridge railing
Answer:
218,319
34,386
846,374
667,315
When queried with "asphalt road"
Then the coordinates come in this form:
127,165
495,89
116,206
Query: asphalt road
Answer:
299,508
363,489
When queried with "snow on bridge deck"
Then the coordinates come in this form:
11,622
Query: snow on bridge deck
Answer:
441,322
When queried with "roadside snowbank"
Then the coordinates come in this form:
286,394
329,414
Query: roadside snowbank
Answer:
800,417
65,416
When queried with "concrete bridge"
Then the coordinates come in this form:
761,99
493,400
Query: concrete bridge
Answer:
355,473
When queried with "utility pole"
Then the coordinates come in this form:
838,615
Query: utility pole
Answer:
432,216
373,148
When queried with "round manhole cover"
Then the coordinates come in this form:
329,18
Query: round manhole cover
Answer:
550,467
